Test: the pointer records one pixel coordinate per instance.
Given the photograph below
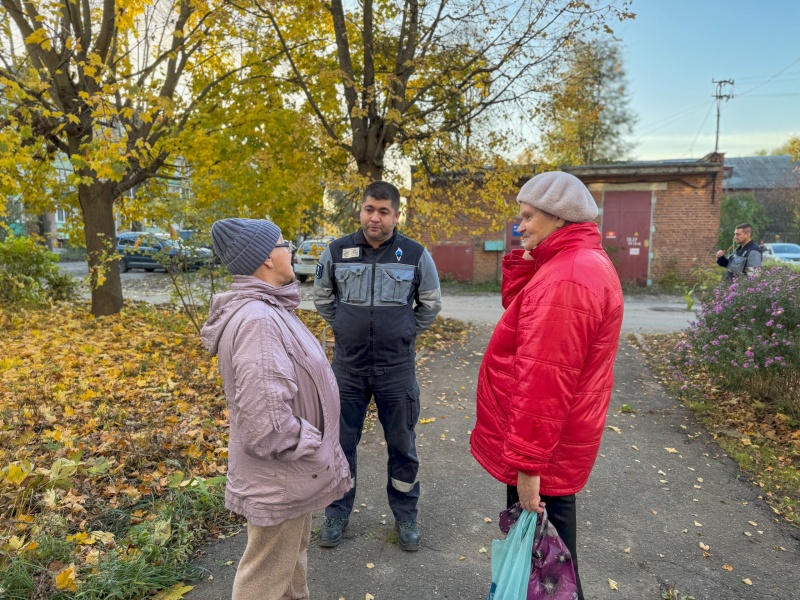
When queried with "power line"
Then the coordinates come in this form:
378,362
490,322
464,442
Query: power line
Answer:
664,121
658,124
720,97
700,129
782,95
776,75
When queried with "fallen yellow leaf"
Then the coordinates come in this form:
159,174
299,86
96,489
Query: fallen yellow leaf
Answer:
747,581
83,538
671,450
627,550
15,475
612,584
370,565
614,429
482,550
16,542
105,537
67,579
176,592
727,567
426,421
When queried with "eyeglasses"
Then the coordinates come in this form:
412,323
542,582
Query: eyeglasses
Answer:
288,245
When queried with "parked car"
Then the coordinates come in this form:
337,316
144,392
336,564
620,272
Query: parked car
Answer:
307,255
151,251
782,252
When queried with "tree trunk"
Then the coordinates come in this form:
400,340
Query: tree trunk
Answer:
369,169
97,204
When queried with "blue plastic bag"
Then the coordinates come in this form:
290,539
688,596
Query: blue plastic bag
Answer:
511,560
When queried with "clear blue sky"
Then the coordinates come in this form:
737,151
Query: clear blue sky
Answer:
674,48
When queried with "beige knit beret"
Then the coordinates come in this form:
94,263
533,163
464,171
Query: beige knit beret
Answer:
559,194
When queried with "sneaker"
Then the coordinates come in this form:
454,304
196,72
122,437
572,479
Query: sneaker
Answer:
409,535
330,535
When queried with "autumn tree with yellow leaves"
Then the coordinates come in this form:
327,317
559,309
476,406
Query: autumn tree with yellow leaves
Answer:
132,92
586,115
437,84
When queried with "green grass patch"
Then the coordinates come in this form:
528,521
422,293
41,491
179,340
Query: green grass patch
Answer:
151,549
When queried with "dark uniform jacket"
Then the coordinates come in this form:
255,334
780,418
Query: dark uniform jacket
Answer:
376,300
744,260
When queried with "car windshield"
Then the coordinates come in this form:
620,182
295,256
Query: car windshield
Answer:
158,241
786,248
313,248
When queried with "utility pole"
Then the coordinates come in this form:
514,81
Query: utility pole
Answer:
720,97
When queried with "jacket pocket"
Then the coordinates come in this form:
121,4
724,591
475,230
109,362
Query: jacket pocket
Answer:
311,475
394,283
353,283
487,400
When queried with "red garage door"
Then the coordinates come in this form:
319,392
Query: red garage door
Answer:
626,233
454,262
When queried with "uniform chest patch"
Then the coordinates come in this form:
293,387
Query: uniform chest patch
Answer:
351,252
399,254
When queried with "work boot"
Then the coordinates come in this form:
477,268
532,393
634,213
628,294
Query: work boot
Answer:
409,535
330,535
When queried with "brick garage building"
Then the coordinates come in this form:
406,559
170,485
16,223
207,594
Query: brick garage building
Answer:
658,220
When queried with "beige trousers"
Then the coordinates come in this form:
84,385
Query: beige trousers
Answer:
274,563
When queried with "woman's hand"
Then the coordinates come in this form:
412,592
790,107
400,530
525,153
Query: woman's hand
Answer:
527,255
528,490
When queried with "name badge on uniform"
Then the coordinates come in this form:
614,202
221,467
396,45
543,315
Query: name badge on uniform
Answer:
351,252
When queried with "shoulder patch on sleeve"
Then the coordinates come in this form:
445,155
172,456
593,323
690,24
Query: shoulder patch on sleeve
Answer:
318,274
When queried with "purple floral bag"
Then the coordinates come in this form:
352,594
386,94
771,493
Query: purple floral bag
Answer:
552,574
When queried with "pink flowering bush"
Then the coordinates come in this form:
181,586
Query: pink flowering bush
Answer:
747,338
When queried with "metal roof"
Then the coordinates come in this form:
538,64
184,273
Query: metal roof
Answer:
649,168
761,173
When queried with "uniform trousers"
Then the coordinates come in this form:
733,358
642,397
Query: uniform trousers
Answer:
397,399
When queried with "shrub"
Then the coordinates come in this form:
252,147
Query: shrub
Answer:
746,338
29,274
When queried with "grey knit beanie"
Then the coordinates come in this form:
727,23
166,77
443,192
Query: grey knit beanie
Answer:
244,244
559,194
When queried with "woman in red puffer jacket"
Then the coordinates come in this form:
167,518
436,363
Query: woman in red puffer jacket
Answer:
547,375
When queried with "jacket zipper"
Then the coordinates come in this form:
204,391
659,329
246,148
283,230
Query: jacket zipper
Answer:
372,313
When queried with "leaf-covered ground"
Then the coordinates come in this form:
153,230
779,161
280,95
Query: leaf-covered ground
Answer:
762,439
100,416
